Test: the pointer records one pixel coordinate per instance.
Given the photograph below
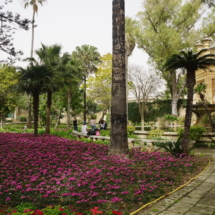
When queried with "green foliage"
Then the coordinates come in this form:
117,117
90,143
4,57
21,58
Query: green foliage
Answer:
171,118
153,134
63,133
133,113
174,148
130,129
105,133
196,132
22,119
155,109
23,206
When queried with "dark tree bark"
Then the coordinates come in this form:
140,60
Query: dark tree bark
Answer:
191,81
119,138
36,110
48,111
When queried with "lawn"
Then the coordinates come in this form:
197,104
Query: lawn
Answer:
51,170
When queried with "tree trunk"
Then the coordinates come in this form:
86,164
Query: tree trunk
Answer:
174,96
36,112
119,138
68,111
29,112
58,119
31,55
174,102
48,111
32,34
191,80
85,98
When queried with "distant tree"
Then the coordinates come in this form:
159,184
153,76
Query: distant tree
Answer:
144,85
190,62
99,86
71,70
33,80
165,28
50,56
8,93
7,29
34,4
90,57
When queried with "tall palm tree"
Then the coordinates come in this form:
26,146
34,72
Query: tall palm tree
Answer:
50,56
32,81
191,63
119,139
34,4
90,57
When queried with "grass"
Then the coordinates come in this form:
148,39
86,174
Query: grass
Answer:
51,170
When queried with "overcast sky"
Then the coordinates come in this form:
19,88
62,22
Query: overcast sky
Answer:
72,23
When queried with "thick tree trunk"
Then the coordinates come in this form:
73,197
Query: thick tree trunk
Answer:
68,111
36,112
191,80
119,138
48,111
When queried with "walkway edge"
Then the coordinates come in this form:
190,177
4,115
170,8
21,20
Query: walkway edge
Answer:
182,186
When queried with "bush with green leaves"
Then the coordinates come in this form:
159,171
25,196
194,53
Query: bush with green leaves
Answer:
171,118
130,129
22,119
196,132
105,133
172,147
154,134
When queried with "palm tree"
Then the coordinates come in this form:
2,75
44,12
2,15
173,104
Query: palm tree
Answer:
32,81
119,139
34,4
90,57
50,56
71,70
191,63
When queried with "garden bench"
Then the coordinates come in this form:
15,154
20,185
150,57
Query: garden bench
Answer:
92,137
79,134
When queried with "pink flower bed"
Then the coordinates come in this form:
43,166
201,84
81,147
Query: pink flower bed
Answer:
53,170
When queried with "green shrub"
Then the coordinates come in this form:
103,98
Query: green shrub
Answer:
174,148
181,120
171,118
22,119
23,206
130,129
105,133
196,132
153,134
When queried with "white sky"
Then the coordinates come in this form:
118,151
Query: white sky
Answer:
73,23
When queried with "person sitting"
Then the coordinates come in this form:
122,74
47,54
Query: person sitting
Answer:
84,128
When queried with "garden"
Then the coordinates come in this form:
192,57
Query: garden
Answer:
50,174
